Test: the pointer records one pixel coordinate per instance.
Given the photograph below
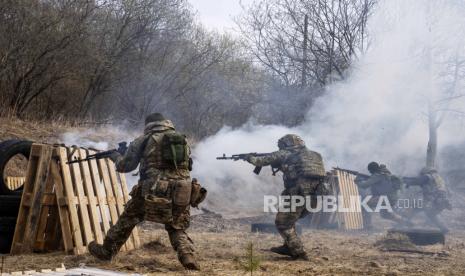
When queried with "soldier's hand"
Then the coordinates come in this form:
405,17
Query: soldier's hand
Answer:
114,156
249,158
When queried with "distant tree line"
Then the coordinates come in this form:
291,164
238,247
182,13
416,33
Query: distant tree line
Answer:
114,60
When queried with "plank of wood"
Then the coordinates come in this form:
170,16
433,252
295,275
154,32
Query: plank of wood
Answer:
99,190
31,223
353,218
25,204
47,202
118,193
349,194
67,194
335,188
356,206
124,187
111,200
92,200
83,210
14,182
342,196
63,208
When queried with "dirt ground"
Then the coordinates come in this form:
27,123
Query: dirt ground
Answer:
222,253
221,244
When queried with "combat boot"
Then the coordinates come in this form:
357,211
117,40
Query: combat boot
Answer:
281,250
99,251
188,261
301,256
284,250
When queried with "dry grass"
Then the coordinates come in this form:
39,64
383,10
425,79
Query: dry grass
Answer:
221,248
13,128
331,252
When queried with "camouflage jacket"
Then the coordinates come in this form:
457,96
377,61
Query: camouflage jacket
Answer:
434,190
293,167
139,150
382,183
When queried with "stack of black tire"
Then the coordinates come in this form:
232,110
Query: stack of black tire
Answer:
9,200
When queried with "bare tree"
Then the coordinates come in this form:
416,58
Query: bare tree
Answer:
445,63
306,43
37,36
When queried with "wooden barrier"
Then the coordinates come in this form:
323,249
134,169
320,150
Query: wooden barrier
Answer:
66,206
14,183
349,215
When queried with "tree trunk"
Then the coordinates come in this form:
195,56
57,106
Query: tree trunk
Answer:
431,151
305,53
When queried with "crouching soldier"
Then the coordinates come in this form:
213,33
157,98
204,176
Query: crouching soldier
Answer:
435,196
163,194
303,175
381,184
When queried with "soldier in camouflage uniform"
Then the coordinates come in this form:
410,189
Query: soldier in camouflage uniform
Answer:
381,183
303,174
160,180
435,198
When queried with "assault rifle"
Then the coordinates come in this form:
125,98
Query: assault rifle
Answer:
122,148
413,181
360,175
244,156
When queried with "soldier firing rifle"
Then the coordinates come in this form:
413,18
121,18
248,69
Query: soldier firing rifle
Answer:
245,157
303,176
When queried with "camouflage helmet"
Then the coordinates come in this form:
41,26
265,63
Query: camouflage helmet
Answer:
290,140
156,121
373,167
428,170
154,117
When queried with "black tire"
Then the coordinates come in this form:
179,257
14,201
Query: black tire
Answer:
8,149
7,230
9,205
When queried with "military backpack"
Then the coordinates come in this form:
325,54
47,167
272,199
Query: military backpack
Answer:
175,150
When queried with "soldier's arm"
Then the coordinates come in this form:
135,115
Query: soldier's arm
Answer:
416,181
365,183
268,159
130,160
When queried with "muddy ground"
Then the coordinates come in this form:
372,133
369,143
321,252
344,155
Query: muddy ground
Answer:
221,246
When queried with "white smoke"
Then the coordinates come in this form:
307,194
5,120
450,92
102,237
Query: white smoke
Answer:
233,188
377,114
102,138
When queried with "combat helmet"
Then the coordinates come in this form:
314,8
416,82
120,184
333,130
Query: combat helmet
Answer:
156,121
373,167
428,170
289,141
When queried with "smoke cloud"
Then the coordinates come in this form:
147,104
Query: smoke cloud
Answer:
379,113
416,59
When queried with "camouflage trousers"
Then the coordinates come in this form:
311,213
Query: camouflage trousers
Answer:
134,214
285,221
385,214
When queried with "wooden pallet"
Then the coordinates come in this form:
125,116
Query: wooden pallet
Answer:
344,188
68,206
63,271
14,183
